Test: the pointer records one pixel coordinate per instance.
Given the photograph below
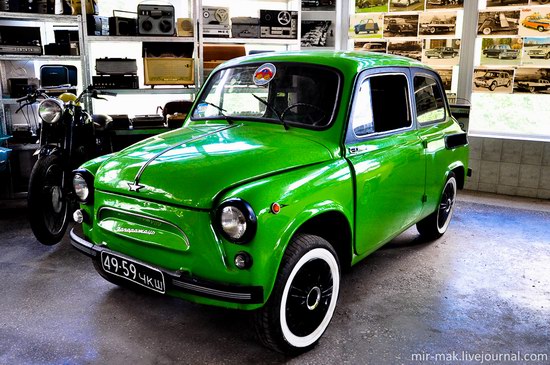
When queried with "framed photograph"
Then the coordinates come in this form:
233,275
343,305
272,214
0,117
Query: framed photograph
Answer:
371,6
536,51
319,5
501,51
317,33
406,5
446,75
497,23
444,4
410,49
371,46
437,24
441,52
532,80
492,3
535,21
493,80
400,26
366,25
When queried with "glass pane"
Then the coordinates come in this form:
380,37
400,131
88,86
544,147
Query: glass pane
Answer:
361,121
430,105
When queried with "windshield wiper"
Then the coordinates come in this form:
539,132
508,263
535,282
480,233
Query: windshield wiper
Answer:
222,112
270,107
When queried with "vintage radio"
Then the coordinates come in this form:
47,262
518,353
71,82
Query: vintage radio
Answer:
19,86
148,121
20,40
122,26
216,54
215,21
167,63
97,25
116,66
184,27
156,20
45,6
116,81
9,5
56,75
278,24
245,27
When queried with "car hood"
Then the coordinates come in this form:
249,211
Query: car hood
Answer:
190,166
484,78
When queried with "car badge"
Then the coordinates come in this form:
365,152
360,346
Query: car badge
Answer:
135,186
264,74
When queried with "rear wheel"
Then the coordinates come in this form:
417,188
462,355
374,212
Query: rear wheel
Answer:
303,299
436,224
46,200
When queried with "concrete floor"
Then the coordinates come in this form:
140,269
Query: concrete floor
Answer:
482,288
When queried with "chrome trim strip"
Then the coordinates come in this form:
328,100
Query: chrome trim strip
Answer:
82,244
214,292
140,172
145,217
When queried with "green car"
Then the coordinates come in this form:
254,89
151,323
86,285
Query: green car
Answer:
290,167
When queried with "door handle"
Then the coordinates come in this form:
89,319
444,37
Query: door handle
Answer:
357,149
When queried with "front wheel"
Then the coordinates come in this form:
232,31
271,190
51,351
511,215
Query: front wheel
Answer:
46,201
436,224
303,299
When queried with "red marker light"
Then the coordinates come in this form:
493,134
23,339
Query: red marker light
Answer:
275,208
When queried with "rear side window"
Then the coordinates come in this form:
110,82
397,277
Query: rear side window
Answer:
430,103
381,105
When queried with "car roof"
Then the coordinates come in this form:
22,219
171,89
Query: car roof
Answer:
343,60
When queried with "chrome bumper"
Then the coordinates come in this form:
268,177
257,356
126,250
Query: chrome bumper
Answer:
182,283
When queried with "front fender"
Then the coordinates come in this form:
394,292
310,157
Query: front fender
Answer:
47,150
303,194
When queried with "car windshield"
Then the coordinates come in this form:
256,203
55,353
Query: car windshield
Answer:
491,74
288,93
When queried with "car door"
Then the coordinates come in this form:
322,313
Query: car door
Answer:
386,156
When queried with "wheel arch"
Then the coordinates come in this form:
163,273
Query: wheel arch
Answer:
460,174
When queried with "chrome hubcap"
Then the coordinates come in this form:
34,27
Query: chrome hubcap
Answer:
313,298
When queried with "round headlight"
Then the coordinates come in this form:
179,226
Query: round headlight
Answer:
50,110
81,187
233,222
237,220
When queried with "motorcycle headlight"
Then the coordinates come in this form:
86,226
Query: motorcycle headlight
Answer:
82,185
236,220
50,110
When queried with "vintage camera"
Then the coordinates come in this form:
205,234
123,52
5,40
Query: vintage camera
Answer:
215,21
156,20
278,24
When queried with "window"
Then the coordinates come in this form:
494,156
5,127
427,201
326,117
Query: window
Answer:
381,105
430,104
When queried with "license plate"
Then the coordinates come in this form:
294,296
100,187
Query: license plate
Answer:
135,272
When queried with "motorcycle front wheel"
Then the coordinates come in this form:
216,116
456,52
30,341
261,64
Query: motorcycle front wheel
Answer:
46,201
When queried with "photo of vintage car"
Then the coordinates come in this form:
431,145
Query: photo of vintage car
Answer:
493,79
380,47
498,22
403,2
366,26
542,51
534,86
290,168
401,26
363,6
441,52
501,51
537,22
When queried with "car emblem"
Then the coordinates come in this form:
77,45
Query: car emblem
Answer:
135,186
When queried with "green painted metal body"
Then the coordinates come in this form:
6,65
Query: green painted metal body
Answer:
380,192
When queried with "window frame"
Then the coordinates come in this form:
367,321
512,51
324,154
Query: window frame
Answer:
350,136
435,76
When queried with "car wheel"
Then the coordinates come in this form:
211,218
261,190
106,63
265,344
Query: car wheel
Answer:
531,89
432,30
493,86
540,28
509,83
547,56
436,224
303,299
487,30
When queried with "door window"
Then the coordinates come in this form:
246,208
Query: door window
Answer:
430,103
381,105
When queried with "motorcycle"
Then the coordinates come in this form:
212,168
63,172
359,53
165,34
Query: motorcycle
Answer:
69,136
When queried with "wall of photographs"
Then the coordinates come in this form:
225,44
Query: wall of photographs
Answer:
513,47
426,30
319,23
